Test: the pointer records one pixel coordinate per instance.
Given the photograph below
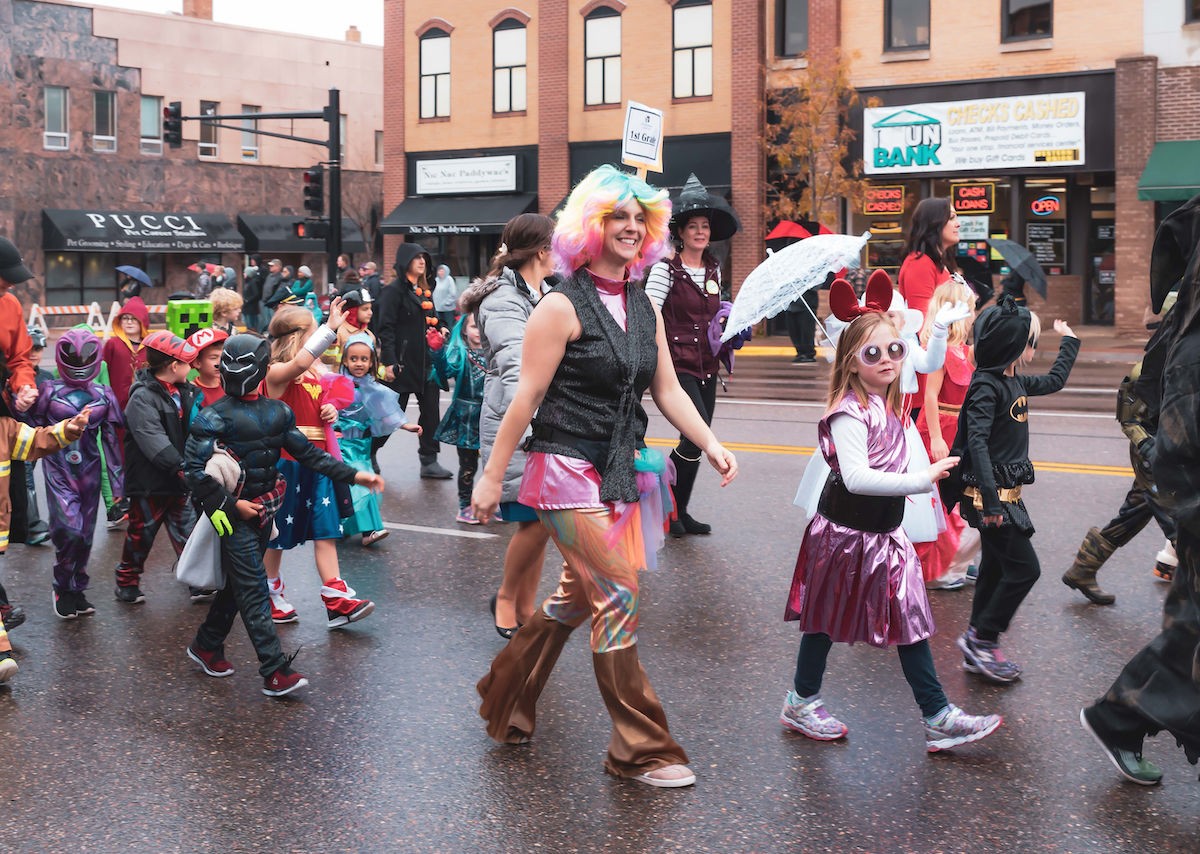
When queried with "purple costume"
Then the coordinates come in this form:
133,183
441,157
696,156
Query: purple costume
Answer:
73,477
855,585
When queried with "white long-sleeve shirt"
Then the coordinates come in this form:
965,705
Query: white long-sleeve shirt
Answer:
850,442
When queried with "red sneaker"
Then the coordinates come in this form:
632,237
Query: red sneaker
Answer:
211,662
340,605
283,681
281,609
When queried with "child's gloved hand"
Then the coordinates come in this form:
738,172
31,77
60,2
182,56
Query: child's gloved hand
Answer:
949,314
434,339
221,523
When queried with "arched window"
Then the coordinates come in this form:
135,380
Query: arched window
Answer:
435,74
508,66
602,56
692,48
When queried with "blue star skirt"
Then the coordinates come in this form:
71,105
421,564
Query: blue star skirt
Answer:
309,511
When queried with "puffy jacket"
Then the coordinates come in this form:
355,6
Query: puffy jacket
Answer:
502,307
155,435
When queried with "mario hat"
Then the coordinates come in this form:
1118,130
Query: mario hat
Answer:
170,344
202,338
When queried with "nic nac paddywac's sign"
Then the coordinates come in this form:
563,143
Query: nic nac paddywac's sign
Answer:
990,133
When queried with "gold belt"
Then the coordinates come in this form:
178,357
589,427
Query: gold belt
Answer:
313,434
1007,496
949,408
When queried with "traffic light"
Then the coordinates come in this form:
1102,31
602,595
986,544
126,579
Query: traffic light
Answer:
173,124
312,229
314,191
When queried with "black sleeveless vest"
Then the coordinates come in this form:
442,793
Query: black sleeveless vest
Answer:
592,409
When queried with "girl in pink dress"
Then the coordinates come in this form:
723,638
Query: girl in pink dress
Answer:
944,561
857,577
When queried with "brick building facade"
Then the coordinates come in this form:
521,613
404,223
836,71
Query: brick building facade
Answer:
88,183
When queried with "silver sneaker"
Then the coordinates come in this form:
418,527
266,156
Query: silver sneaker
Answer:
952,727
811,718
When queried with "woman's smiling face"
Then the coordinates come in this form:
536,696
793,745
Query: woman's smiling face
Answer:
624,233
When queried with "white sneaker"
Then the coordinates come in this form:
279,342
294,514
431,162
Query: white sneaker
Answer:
281,609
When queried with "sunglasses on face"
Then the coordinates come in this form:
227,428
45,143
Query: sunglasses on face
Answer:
872,354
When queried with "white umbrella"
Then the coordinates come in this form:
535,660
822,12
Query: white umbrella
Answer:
785,275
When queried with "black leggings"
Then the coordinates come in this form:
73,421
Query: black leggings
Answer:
915,659
468,464
1008,569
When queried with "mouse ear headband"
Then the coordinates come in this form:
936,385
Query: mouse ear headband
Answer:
878,298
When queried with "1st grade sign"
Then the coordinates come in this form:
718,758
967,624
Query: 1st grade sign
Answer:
989,133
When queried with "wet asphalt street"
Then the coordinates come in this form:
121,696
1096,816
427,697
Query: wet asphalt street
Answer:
114,741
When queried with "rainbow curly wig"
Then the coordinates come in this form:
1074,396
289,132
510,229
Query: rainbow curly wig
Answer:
580,229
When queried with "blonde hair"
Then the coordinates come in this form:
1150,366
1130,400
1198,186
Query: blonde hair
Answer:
949,293
843,380
1035,332
225,303
287,331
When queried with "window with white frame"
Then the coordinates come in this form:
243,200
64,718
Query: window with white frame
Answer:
208,129
249,137
55,132
378,148
693,52
435,74
508,67
104,121
602,57
152,119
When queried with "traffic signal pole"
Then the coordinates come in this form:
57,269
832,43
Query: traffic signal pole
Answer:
332,116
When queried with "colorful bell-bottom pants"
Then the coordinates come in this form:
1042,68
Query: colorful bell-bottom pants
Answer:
599,582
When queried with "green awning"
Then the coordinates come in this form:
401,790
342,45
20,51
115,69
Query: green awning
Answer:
1172,173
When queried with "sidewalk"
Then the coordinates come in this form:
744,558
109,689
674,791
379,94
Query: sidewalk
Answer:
1100,344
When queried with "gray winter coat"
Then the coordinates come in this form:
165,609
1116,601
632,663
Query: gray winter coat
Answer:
502,307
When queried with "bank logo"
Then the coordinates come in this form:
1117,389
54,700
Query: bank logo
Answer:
906,139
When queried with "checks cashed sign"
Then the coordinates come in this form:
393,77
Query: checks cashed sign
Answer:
990,133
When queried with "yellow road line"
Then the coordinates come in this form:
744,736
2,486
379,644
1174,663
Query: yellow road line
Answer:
803,451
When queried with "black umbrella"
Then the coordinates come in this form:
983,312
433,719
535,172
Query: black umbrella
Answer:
979,278
1022,262
136,273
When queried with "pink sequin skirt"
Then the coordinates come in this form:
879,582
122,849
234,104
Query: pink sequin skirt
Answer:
857,586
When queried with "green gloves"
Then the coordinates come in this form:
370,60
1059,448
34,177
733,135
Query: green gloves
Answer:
221,522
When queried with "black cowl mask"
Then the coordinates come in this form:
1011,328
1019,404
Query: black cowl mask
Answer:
1001,334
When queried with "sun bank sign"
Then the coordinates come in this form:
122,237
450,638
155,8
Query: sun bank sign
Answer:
990,133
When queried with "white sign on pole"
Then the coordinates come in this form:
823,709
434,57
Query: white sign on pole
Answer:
973,227
1022,132
642,141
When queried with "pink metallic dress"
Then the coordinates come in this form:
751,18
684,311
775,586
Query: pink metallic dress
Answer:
854,585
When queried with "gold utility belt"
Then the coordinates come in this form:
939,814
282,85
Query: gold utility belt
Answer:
1007,496
949,408
313,434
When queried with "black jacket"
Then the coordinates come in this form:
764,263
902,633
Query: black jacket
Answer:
401,326
155,434
252,293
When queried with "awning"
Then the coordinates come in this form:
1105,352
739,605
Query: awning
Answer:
1172,173
138,231
456,214
266,233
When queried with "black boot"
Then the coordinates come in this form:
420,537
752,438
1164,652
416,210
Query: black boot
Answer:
685,479
431,469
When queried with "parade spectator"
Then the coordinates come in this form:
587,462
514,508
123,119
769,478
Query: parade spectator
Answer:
801,320
203,281
128,288
857,578
270,285
445,297
283,287
593,346
994,430
405,324
928,262
253,278
370,279
502,302
687,290
343,267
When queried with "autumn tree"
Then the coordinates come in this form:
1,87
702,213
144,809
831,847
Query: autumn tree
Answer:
807,141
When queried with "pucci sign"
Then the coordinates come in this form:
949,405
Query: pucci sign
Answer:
146,224
467,175
138,231
1021,132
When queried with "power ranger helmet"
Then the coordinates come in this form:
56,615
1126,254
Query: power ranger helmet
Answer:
244,362
78,356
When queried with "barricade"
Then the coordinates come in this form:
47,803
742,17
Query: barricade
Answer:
94,315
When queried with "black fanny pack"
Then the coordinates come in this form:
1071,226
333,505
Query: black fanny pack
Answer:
877,514
593,450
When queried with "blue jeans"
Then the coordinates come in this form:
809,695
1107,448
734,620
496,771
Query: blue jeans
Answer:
245,591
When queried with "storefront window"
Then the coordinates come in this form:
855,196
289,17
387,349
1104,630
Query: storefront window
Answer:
984,207
1044,210
886,210
1102,265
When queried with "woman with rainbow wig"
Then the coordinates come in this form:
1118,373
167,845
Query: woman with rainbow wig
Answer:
592,347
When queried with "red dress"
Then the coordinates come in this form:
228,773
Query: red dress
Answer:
919,276
302,396
936,557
